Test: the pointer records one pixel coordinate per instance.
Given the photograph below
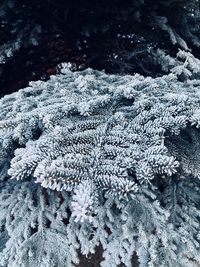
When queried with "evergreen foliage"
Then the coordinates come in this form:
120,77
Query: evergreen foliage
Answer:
90,159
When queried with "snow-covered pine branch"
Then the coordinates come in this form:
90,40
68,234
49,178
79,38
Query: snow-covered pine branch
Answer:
121,156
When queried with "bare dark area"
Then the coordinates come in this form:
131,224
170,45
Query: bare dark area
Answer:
117,36
94,260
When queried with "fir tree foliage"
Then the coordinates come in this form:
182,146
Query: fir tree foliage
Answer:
90,159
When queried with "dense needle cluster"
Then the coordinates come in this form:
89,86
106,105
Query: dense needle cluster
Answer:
90,159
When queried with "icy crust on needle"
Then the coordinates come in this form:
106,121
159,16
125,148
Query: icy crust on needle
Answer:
100,160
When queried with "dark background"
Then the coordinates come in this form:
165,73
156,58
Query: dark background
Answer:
115,35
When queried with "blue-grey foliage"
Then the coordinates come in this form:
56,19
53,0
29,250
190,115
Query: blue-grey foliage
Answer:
90,159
